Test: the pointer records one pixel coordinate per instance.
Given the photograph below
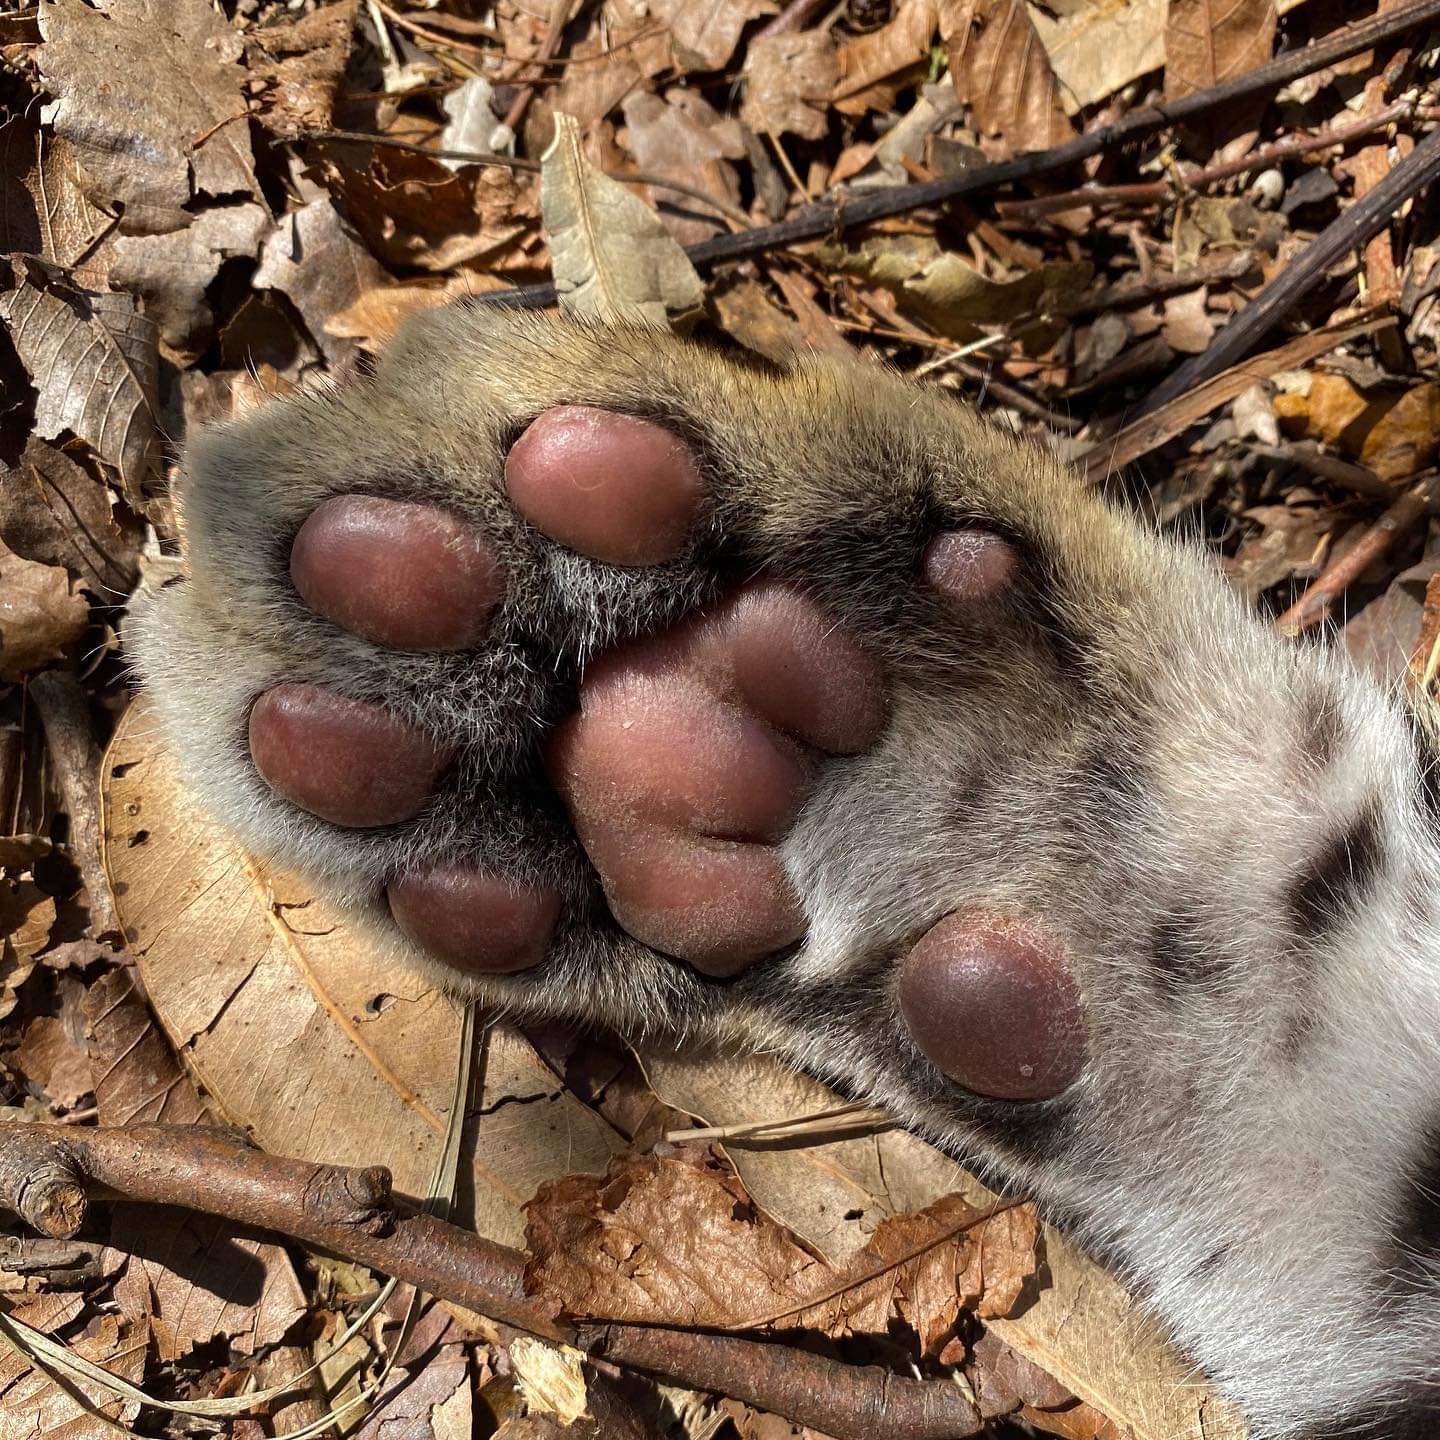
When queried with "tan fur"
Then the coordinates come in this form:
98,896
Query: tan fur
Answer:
1114,747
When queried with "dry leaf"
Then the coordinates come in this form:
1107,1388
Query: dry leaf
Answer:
170,272
53,512
1210,41
704,35
27,916
679,1241
612,257
1395,435
313,260
1002,72
1081,1328
874,67
409,210
658,1240
357,1064
136,1076
299,63
788,81
1188,324
40,614
43,210
374,316
33,1406
94,364
747,314
54,1061
149,93
1097,48
682,136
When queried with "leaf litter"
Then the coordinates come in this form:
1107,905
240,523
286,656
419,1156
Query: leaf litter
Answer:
206,204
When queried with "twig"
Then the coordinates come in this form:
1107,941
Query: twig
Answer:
1342,572
1292,145
826,217
1353,228
554,31
530,167
1358,479
1152,430
48,1172
795,16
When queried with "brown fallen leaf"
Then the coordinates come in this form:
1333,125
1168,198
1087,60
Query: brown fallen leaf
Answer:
874,67
1395,434
298,1026
312,259
27,916
788,81
299,62
43,209
410,211
56,513
34,1405
136,1077
54,1060
93,360
1098,47
611,255
373,317
150,94
1002,72
704,36
170,272
682,136
41,612
1210,41
679,1241
747,313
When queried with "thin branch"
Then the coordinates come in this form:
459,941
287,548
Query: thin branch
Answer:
1342,572
1198,179
49,1172
1353,228
834,216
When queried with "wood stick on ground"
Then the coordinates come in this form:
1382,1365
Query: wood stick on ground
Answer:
1152,430
49,1172
1162,190
1352,229
828,217
1342,572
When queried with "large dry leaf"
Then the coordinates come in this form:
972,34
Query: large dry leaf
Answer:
1393,434
662,1240
150,94
295,1028
41,613
1097,48
1211,41
43,208
788,81
170,272
611,255
1082,1328
190,1274
93,361
1002,72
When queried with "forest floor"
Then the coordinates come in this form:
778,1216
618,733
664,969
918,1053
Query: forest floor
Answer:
1233,319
